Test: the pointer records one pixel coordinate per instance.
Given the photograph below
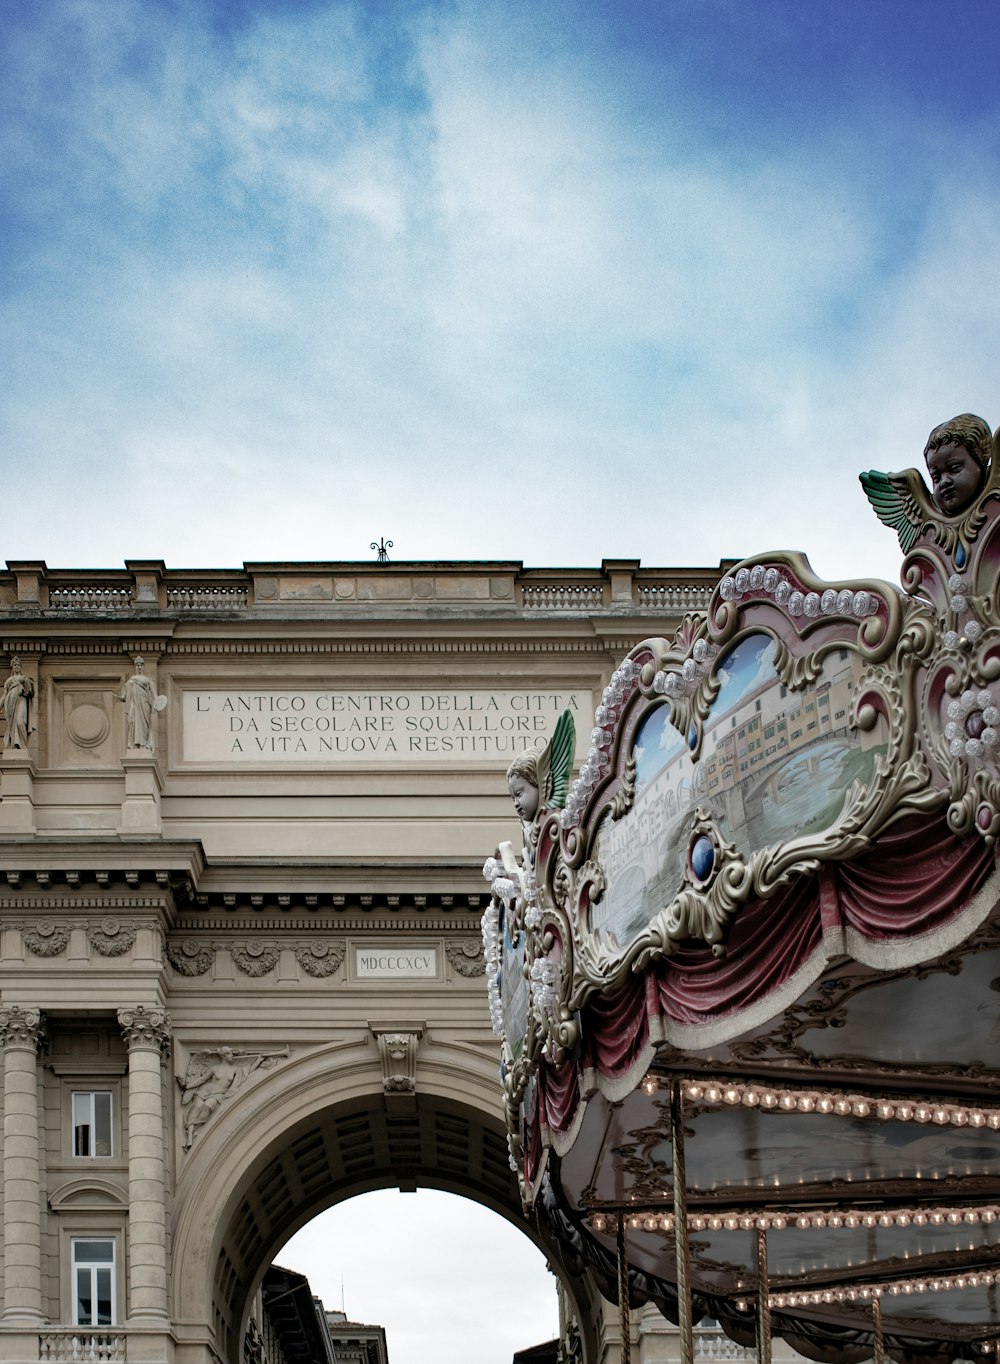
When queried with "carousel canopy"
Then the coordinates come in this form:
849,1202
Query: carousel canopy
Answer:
745,968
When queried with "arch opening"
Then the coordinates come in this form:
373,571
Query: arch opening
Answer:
429,1268
341,1151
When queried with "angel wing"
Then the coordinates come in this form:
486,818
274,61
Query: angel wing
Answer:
555,763
198,1072
901,502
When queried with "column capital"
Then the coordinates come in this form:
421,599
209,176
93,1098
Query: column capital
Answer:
145,1027
22,1028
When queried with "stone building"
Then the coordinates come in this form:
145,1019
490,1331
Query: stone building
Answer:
356,1343
240,956
288,1324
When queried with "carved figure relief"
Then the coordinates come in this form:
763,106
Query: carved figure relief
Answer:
18,691
112,938
140,700
467,957
45,939
212,1077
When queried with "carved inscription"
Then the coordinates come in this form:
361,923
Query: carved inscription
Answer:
352,728
395,963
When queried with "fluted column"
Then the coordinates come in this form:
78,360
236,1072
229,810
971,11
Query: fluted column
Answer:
147,1032
20,1034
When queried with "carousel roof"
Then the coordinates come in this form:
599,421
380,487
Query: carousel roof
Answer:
746,970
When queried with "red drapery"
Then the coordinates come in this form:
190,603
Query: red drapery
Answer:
917,877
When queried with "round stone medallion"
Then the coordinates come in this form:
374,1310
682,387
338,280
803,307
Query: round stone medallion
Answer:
88,725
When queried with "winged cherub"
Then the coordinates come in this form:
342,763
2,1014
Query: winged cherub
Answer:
957,454
538,779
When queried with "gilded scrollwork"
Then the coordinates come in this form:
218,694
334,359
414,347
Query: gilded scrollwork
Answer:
909,724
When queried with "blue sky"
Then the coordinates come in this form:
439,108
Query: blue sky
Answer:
549,280
546,281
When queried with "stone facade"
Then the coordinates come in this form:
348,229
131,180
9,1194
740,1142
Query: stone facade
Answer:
240,962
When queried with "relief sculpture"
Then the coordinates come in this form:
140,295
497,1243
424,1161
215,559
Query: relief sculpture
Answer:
212,1077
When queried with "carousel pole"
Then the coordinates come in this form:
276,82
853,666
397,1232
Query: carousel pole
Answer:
879,1346
681,1248
763,1301
625,1324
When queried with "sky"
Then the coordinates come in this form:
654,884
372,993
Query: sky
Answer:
542,280
451,1282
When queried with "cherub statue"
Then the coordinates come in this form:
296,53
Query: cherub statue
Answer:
538,779
957,454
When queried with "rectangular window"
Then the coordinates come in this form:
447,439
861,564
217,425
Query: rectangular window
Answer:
92,1123
93,1282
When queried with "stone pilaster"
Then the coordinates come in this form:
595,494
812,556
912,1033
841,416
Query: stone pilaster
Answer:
20,1035
141,815
147,1032
17,792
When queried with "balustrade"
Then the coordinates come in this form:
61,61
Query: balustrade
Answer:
90,597
80,1344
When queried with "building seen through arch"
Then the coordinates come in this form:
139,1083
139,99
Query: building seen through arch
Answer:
241,971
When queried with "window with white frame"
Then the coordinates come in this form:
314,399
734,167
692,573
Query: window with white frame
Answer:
93,1281
92,1123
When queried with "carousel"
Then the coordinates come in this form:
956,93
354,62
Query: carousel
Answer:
745,968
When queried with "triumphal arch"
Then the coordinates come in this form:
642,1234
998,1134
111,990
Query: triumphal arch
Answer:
242,822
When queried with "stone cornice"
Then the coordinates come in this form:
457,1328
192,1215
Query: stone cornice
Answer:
592,643
146,590
348,923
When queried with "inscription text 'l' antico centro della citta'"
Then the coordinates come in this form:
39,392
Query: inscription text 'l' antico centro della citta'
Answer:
323,726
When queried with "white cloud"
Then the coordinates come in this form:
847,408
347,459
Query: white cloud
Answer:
458,297
392,1253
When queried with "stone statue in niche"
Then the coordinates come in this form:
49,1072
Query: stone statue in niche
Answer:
141,700
960,464
17,693
212,1077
